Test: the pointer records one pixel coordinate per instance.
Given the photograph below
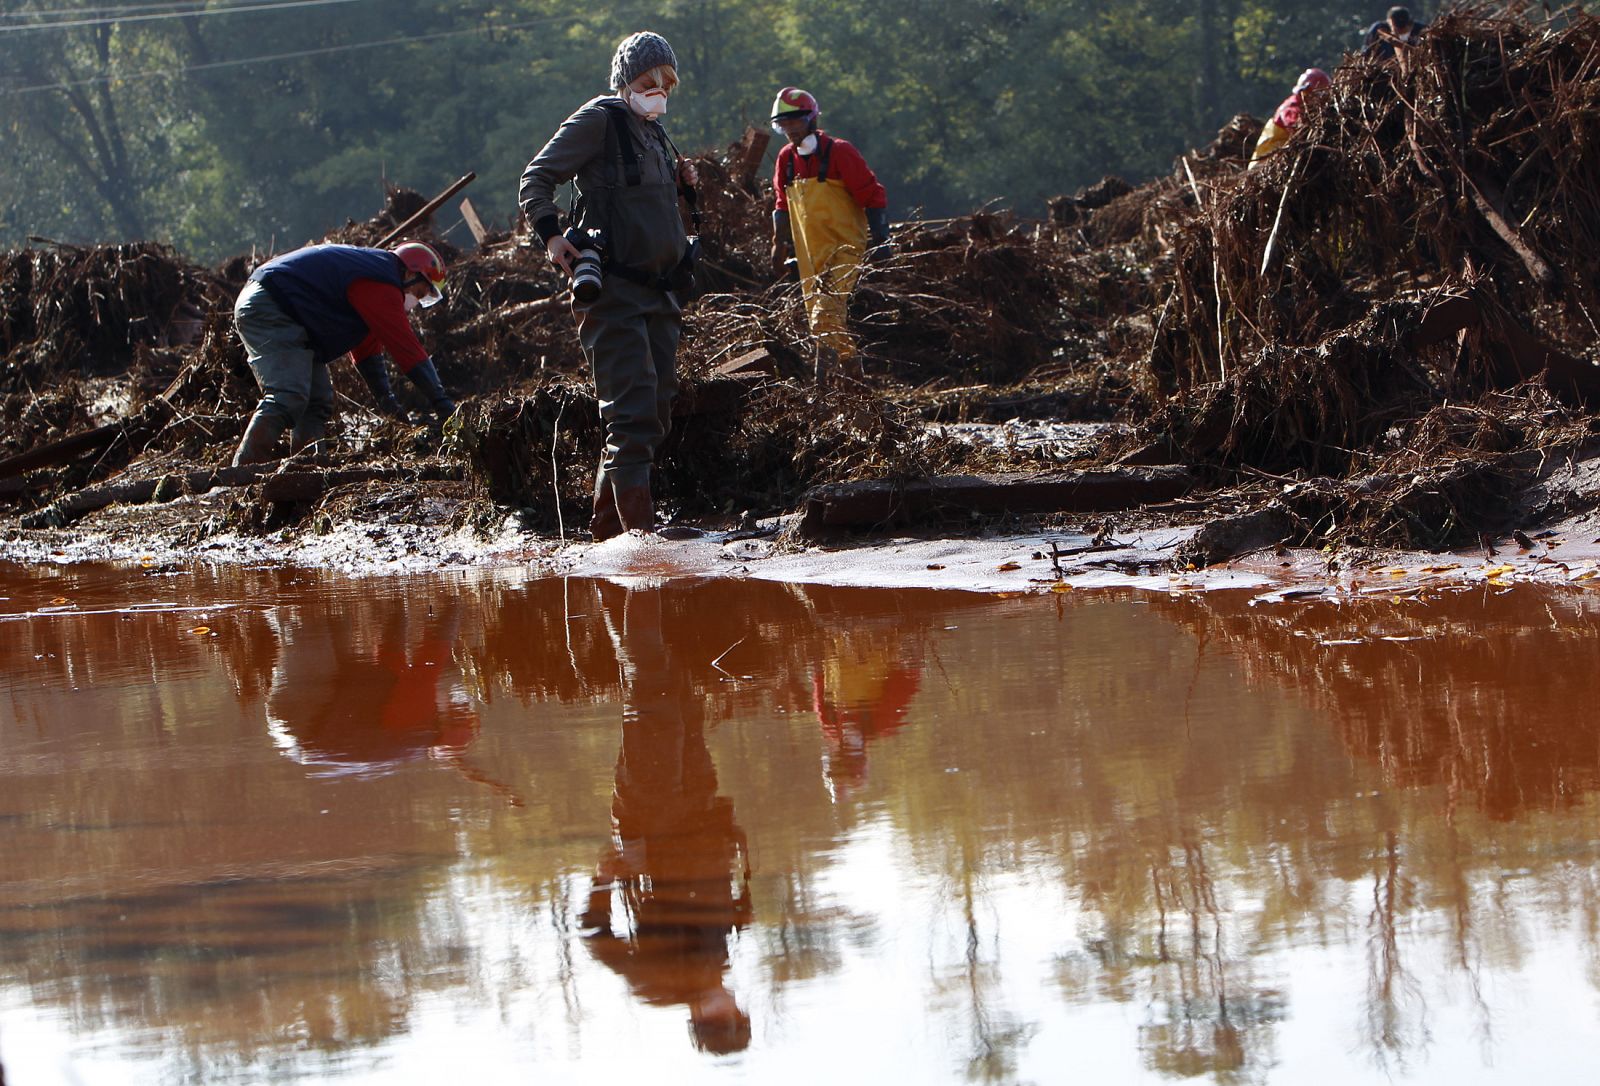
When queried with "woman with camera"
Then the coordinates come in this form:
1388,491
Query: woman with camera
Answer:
630,258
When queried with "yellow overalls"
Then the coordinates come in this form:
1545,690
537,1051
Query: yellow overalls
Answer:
830,238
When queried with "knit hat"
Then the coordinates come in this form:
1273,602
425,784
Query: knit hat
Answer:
637,54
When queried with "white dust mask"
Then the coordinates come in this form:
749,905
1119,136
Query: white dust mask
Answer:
808,145
411,301
649,105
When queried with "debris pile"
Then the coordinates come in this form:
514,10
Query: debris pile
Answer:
1381,335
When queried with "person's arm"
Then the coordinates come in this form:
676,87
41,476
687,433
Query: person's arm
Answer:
865,188
376,375
782,239
382,306
580,139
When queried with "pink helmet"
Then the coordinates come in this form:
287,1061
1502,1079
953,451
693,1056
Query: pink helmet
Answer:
1312,77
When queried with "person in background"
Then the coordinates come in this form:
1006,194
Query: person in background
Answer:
1276,132
1393,34
302,310
827,206
628,176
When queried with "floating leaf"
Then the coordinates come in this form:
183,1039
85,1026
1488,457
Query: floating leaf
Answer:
1061,586
59,600
1007,567
1441,569
1499,571
200,631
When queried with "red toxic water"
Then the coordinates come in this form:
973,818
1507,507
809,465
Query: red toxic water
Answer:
269,825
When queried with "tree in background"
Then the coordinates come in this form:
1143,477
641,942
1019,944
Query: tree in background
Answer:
227,126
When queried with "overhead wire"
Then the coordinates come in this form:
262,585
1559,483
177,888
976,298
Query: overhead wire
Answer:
157,73
110,9
270,5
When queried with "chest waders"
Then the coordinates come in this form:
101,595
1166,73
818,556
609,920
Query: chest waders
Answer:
830,238
630,332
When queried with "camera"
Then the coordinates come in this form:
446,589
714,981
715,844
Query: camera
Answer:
586,270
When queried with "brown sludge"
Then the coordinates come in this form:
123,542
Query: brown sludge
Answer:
1383,336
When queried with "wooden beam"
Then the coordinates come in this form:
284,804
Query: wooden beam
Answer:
877,503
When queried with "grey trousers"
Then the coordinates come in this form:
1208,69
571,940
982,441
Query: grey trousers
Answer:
294,388
630,336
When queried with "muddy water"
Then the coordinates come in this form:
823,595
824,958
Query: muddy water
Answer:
269,825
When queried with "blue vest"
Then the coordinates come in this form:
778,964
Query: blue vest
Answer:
309,285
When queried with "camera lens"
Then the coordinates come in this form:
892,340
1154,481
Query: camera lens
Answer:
586,276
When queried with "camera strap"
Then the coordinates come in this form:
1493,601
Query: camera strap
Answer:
622,141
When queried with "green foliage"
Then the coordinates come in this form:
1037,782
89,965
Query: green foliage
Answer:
176,128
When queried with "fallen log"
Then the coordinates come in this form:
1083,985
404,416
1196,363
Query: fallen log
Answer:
876,503
277,485
139,428
1517,355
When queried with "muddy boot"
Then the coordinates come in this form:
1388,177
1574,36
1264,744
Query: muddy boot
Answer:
605,523
260,441
637,510
307,439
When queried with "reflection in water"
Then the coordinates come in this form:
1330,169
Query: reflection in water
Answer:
1144,837
862,682
677,864
358,692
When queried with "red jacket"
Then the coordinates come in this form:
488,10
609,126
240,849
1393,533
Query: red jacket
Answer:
845,164
1289,113
383,307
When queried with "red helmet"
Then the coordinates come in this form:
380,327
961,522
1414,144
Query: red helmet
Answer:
421,260
1312,77
794,102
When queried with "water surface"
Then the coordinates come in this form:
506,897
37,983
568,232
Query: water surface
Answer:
279,825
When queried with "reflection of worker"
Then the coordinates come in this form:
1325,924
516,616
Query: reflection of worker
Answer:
302,310
628,176
1276,132
860,692
369,710
1393,34
827,204
677,862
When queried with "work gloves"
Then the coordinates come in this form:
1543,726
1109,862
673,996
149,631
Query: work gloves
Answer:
426,378
879,249
376,375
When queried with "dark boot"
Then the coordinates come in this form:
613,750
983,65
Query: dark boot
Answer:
260,441
637,509
307,436
605,523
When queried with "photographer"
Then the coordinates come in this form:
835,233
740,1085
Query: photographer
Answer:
627,228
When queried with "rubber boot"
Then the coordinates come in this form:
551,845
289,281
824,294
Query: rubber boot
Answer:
637,509
605,523
307,437
260,441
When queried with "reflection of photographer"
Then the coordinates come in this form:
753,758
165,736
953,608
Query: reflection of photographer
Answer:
631,260
678,866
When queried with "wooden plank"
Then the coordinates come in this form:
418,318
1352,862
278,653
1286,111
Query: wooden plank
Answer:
475,224
752,149
875,503
757,361
427,209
